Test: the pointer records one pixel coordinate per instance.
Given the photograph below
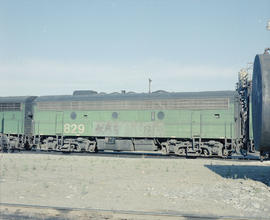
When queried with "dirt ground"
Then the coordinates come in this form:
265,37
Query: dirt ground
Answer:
197,186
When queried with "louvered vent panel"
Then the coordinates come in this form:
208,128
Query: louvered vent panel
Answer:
169,104
10,107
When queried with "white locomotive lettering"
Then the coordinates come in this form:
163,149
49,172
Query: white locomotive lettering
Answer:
74,128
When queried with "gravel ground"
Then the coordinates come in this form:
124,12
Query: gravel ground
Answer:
197,186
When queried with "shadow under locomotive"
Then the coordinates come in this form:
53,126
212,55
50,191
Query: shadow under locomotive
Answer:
254,172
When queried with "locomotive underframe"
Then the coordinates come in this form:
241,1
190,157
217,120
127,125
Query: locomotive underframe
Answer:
12,142
196,146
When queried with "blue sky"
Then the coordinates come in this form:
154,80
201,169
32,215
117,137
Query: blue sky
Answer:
55,47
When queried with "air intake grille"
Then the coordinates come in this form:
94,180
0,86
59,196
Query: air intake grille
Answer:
166,104
10,107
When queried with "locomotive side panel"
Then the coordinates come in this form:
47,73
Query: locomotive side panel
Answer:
12,110
206,118
16,122
12,121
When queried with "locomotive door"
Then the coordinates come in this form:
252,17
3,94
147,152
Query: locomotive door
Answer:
195,125
59,121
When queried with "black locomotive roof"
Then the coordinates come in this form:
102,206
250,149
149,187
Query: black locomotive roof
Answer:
16,99
138,96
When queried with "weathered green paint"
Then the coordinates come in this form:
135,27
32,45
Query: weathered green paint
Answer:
12,122
59,123
139,123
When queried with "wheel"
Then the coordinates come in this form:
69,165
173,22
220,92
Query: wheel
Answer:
243,152
165,149
180,151
205,152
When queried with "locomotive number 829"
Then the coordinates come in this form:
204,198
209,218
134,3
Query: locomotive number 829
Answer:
74,128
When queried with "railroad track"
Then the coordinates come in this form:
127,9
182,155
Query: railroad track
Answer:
6,214
235,157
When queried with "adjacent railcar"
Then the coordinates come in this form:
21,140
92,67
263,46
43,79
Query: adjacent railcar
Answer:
261,103
193,123
16,121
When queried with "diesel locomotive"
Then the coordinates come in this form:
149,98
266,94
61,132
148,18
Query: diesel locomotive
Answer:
213,123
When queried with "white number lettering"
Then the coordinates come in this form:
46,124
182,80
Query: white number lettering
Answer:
81,128
74,128
66,128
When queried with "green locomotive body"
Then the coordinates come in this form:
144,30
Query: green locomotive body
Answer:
15,115
16,121
172,122
211,117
